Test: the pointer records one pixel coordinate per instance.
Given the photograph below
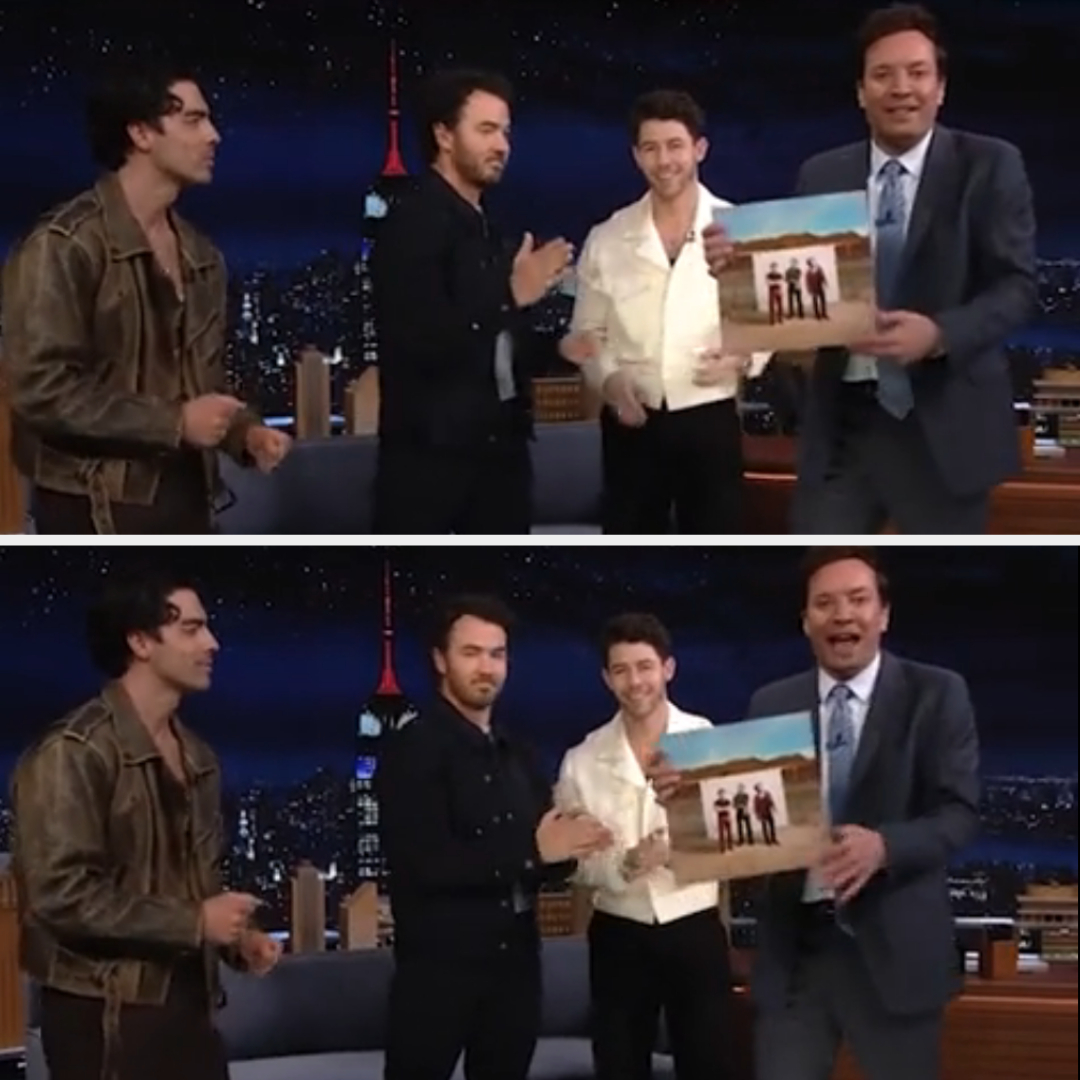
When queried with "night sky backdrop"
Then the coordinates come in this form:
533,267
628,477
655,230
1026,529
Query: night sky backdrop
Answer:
300,90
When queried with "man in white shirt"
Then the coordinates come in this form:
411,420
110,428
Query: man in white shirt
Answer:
652,944
646,330
862,948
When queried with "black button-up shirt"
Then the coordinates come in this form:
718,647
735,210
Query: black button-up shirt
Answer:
441,280
458,811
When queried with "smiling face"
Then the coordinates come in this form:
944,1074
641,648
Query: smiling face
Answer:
668,156
845,617
902,89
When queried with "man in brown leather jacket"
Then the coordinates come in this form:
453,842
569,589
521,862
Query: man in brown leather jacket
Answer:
117,851
114,318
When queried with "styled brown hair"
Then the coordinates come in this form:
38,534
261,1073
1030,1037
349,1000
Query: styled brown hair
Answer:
819,557
667,105
895,19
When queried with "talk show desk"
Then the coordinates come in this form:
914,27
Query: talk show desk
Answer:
1043,499
1023,1028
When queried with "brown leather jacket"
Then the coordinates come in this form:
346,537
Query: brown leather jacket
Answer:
100,354
106,906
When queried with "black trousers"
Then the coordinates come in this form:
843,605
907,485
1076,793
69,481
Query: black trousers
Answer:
688,462
488,1010
424,491
174,1041
682,967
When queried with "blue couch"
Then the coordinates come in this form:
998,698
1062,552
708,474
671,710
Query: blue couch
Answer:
324,487
322,1017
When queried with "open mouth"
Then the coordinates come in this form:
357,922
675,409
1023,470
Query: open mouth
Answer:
841,641
901,112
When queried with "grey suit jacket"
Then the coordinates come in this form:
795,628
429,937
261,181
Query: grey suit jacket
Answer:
916,781
969,264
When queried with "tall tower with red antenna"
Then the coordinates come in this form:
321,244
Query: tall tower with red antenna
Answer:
389,186
385,712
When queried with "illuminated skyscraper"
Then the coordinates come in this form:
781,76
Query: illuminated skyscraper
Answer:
393,182
385,712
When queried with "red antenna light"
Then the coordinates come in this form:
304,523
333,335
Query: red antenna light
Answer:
388,683
394,165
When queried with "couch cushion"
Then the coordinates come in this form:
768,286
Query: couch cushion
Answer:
361,1065
309,1004
565,1009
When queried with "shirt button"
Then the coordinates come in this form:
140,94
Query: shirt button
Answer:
479,830
474,326
504,903
509,816
487,778
496,819
502,946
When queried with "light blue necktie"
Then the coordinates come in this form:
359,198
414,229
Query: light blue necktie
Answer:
840,748
894,387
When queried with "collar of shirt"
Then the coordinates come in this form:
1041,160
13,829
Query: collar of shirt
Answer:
442,189
465,729
913,160
862,685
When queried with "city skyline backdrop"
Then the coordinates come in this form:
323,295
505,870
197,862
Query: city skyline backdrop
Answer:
294,709
301,93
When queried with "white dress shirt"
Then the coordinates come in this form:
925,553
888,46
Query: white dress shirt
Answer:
862,687
601,776
653,316
861,368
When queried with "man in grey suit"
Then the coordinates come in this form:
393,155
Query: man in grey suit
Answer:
915,426
861,948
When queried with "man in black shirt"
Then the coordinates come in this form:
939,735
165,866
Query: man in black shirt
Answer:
455,415
469,837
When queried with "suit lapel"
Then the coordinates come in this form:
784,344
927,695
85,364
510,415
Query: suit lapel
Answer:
937,174
885,701
853,169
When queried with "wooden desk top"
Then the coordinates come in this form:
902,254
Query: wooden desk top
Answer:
774,455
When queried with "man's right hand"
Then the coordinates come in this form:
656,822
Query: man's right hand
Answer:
622,395
718,247
537,270
225,917
561,836
663,776
205,420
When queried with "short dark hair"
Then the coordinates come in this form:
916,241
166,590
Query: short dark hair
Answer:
632,628
489,609
818,558
667,105
136,92
442,99
895,19
129,604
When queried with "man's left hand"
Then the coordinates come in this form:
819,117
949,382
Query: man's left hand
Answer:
853,857
904,336
267,447
259,951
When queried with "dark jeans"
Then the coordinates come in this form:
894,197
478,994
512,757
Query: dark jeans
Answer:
688,462
425,491
174,1041
682,967
489,1011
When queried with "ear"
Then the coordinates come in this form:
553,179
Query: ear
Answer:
859,95
607,679
439,661
701,149
885,613
444,136
941,93
140,135
140,645
669,669
805,625
636,155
